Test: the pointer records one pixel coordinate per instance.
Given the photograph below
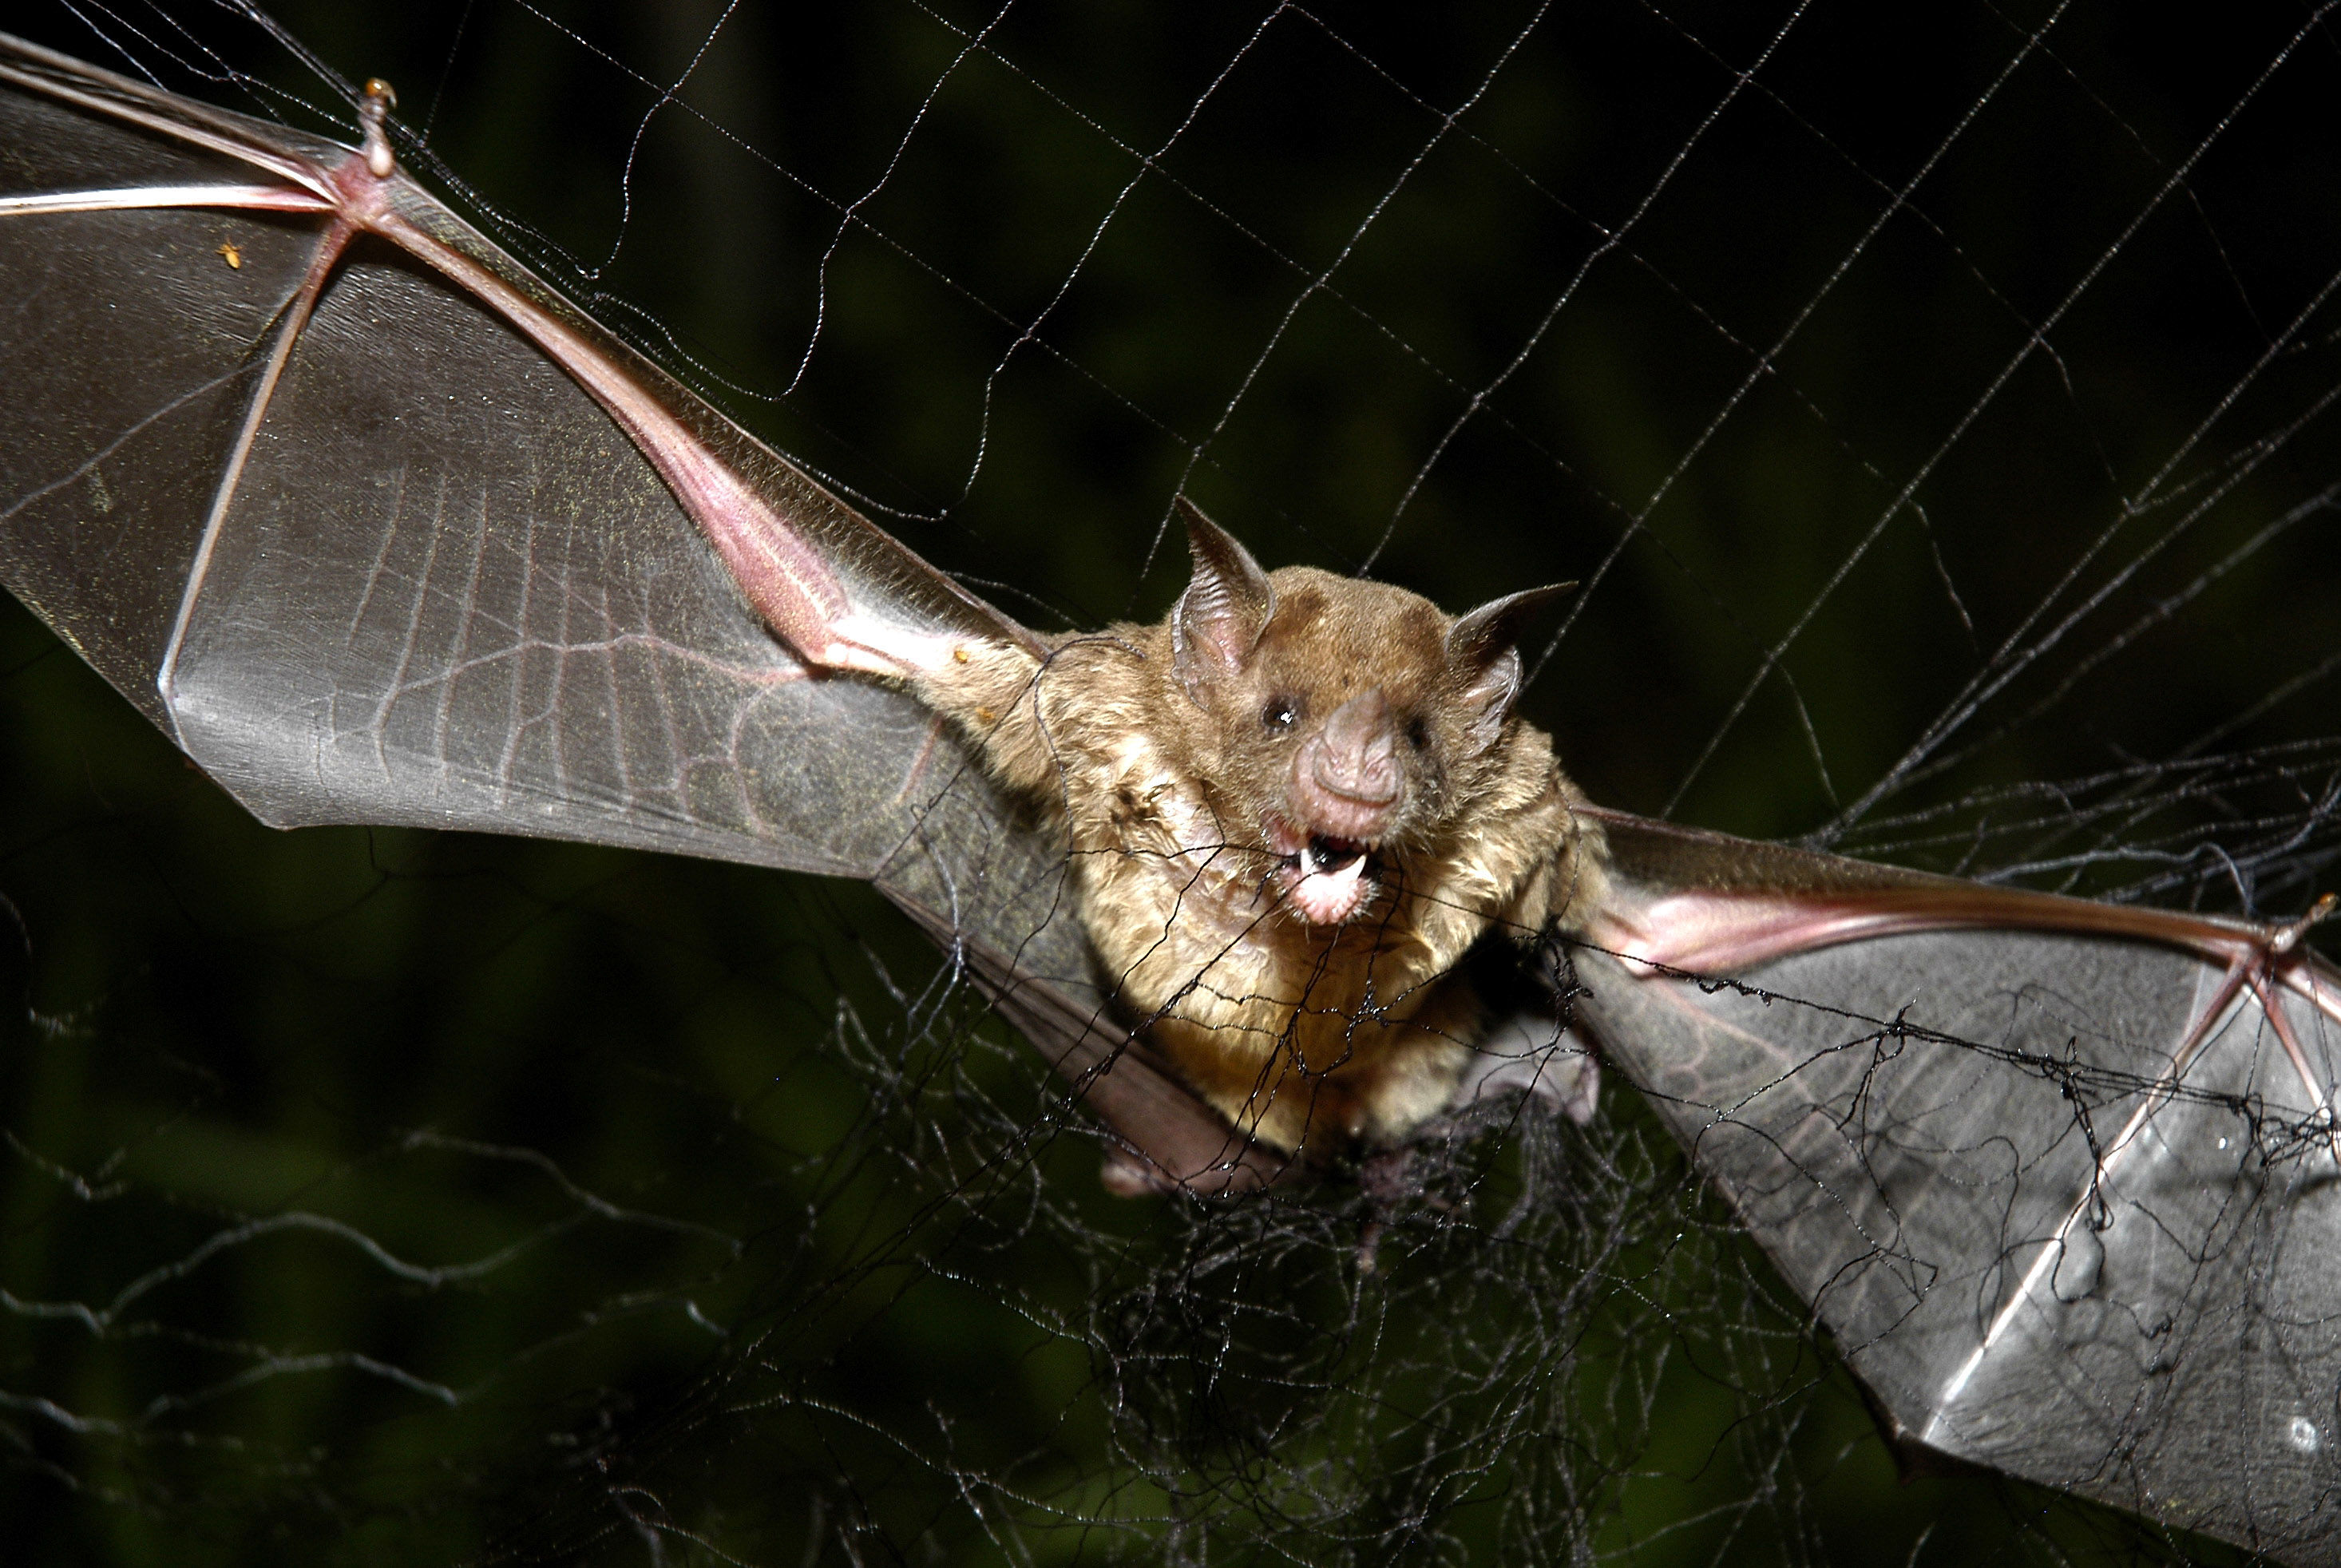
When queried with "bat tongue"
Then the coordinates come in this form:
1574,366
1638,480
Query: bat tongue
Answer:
1331,884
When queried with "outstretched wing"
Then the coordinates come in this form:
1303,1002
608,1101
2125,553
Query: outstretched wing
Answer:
381,529
316,496
2059,1177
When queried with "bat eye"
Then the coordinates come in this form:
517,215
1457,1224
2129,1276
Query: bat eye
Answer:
1281,714
1417,734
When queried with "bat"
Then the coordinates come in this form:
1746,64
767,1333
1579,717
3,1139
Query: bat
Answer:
720,657
1292,808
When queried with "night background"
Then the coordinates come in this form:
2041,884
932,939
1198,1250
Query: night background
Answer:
1933,394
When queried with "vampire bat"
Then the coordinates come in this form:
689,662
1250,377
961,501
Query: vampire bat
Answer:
2057,1176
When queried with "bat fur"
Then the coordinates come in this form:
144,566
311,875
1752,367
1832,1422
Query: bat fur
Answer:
1293,805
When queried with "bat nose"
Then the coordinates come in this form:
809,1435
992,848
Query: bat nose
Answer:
1348,772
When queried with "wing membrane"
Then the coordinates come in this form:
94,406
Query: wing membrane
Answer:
420,575
382,530
2063,1196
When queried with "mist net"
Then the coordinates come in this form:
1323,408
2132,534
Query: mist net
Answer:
1935,406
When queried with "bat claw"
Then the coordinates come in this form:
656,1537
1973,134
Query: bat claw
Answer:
373,111
2283,938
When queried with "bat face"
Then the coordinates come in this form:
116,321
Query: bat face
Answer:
1352,724
1335,737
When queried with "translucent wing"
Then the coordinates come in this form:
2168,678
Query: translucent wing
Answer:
381,529
368,551
2057,1177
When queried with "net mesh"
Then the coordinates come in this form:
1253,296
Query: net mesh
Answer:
1935,406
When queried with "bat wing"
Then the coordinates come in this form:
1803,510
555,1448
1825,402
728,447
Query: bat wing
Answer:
324,508
2058,1177
380,529
1167,1138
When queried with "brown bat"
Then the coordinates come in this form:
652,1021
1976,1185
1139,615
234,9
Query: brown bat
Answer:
1292,807
2057,1175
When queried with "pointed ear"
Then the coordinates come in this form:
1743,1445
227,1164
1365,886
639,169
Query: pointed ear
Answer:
1483,649
1227,604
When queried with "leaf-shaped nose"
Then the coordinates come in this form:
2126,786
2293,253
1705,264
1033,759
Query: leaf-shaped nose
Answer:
1347,774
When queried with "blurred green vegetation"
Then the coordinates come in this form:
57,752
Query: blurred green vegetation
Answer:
580,1194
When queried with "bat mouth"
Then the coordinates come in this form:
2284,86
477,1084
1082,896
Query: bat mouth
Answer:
1326,878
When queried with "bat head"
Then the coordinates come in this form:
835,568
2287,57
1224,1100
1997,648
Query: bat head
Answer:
1350,723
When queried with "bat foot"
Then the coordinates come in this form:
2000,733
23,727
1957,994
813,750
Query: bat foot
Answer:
1531,1054
1127,1175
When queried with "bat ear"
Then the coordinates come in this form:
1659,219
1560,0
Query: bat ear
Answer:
1226,606
1483,649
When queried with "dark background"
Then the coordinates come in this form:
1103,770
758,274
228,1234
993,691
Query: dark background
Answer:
1869,364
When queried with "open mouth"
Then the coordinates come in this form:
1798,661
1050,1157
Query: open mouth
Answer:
1324,878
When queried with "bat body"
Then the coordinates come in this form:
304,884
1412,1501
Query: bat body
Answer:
2031,1158
1293,807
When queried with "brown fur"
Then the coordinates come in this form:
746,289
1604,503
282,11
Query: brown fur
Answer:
1309,1036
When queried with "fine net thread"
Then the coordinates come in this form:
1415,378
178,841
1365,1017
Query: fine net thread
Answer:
881,1308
